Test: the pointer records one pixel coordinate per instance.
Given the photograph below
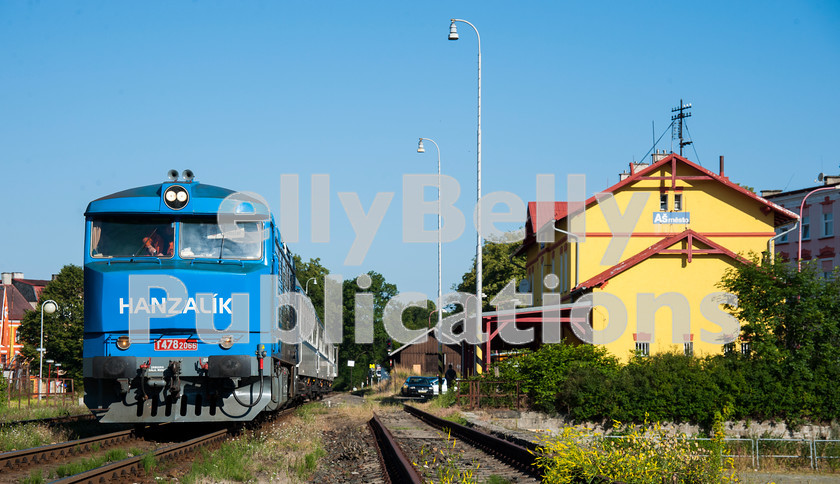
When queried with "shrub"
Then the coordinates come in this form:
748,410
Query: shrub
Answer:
641,455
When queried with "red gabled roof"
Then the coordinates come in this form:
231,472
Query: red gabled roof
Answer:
18,305
560,212
661,247
782,215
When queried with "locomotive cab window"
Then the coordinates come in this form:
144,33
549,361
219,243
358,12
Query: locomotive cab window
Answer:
132,237
205,239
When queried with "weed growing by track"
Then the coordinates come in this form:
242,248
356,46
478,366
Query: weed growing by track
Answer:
28,435
37,410
287,450
638,454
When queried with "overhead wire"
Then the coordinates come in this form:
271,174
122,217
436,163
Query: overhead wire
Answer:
670,126
693,146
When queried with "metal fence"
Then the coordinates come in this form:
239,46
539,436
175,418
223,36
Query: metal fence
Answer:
53,391
491,393
760,449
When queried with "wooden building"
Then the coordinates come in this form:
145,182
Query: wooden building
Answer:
421,358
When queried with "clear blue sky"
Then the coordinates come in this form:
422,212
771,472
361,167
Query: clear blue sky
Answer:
100,96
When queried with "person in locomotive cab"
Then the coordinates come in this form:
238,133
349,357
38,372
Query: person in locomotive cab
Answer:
159,245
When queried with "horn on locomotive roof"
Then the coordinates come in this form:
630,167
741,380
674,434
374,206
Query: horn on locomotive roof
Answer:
188,175
172,175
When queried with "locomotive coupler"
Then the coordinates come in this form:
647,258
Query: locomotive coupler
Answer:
174,380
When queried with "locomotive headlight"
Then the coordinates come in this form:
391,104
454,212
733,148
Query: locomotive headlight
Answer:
123,342
176,197
226,342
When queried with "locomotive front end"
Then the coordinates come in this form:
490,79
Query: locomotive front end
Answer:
173,312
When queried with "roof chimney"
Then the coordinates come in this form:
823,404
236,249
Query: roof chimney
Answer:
7,278
658,155
721,165
831,180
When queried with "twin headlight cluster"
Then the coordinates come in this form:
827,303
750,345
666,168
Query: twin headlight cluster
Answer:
226,342
176,197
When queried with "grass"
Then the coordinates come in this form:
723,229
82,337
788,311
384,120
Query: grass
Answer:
288,451
83,465
494,479
28,435
304,468
38,410
35,477
228,462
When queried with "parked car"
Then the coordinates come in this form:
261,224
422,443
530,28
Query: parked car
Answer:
433,380
417,386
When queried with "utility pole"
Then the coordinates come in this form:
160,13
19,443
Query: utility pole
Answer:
679,125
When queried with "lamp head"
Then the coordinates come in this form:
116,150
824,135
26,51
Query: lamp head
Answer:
453,31
49,307
420,148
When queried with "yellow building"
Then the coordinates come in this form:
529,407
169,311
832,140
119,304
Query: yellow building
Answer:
654,248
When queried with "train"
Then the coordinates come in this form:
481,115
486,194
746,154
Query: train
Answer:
182,311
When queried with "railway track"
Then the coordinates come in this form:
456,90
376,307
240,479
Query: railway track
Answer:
133,466
52,420
439,448
18,459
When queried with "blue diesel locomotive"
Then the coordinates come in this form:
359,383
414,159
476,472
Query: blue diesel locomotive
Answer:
180,309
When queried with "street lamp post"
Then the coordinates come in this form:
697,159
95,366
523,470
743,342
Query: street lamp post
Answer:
453,35
421,149
307,284
801,208
49,306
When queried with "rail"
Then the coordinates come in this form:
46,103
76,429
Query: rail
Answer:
87,417
35,455
134,465
520,456
398,467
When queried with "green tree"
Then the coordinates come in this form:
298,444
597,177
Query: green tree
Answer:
64,329
791,320
304,271
499,268
363,354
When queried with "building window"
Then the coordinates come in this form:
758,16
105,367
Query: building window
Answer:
689,348
663,202
828,224
643,349
745,348
783,239
806,228
678,202
827,266
728,348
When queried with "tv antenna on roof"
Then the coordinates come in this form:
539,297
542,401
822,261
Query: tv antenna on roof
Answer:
679,125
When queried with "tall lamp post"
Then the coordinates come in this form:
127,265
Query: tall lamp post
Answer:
421,149
307,284
801,208
453,35
49,306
